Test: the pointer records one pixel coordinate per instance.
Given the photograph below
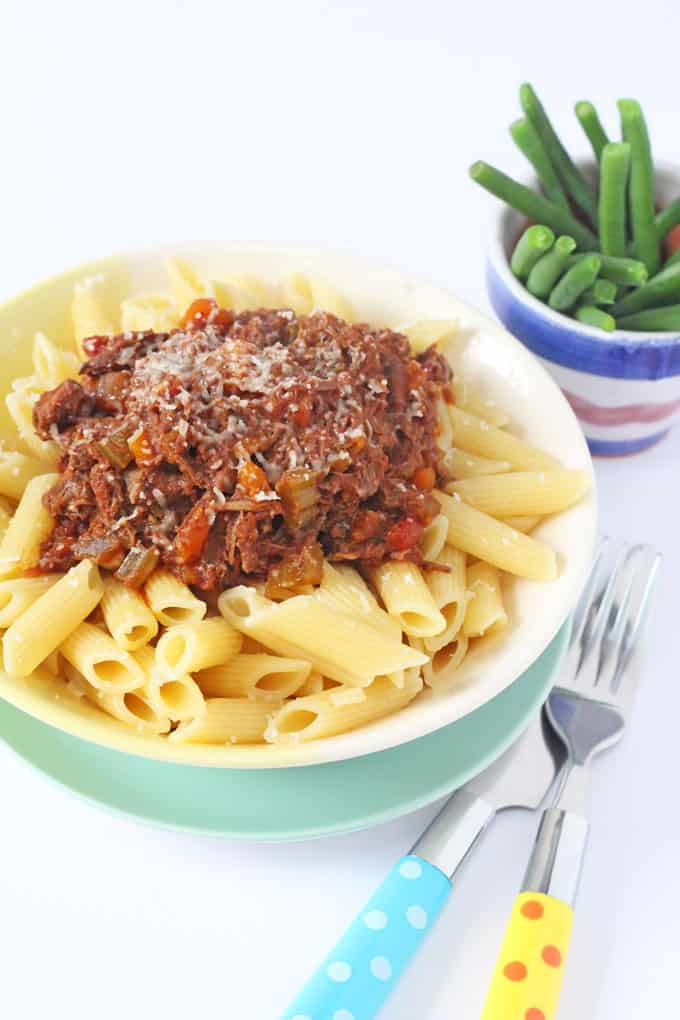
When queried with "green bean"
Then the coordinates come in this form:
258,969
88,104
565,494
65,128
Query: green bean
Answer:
635,132
571,177
526,139
653,320
626,272
582,275
667,219
614,166
590,122
662,289
550,267
602,292
534,206
534,242
592,316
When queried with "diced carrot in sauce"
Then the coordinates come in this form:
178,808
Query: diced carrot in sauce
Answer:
141,448
192,534
252,478
404,535
424,479
197,313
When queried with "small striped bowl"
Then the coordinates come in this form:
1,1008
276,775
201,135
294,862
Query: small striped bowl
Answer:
623,387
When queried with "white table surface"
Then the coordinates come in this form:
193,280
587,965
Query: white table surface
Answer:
348,125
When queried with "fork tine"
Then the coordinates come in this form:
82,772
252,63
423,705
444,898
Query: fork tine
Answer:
640,603
619,616
588,598
598,616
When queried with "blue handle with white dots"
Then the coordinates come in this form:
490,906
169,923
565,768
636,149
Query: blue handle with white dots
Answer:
358,975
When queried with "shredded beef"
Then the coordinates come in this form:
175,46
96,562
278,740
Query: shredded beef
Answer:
245,449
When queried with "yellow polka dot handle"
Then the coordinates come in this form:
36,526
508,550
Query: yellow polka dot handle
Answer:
528,975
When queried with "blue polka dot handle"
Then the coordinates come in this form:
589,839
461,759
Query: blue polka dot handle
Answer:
356,978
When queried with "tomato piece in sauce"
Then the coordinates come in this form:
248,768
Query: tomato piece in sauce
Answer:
404,535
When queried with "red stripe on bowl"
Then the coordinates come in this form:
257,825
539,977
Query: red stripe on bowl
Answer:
626,414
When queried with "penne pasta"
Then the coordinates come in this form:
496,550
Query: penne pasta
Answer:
434,538
449,592
171,601
485,607
89,317
523,492
96,655
475,435
5,517
343,588
30,526
426,332
51,364
312,685
524,524
49,621
179,699
297,293
339,710
226,721
260,677
445,434
489,539
190,647
326,298
229,294
186,283
403,590
16,471
440,672
340,646
470,400
149,311
134,709
127,616
20,402
18,594
461,464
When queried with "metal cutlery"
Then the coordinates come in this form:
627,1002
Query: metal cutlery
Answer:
358,975
589,712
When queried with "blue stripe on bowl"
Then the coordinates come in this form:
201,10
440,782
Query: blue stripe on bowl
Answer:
555,340
619,448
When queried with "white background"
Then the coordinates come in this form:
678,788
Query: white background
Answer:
349,125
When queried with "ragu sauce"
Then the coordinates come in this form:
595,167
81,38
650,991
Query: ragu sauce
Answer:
244,447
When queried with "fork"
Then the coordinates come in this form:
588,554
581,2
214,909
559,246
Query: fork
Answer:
589,712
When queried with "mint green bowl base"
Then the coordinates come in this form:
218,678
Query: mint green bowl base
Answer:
287,803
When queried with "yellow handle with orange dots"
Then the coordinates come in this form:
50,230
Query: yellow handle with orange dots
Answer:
528,976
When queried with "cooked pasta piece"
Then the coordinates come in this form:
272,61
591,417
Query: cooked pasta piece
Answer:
179,699
30,526
461,464
339,646
488,539
42,628
445,434
450,596
20,402
524,523
52,365
523,492
21,592
312,685
485,608
186,283
398,678
89,317
229,294
426,332
260,677
407,597
440,672
16,471
226,721
475,435
339,710
149,311
326,298
171,601
5,517
255,291
190,647
471,400
344,589
134,709
129,619
297,293
53,663
97,656
434,538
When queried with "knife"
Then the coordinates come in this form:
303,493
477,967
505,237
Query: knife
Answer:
358,975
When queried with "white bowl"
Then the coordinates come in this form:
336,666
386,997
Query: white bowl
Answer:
489,358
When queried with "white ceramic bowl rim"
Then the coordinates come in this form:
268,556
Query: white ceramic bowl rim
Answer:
508,218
